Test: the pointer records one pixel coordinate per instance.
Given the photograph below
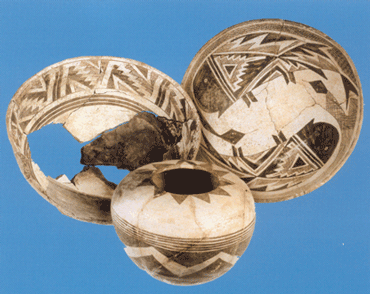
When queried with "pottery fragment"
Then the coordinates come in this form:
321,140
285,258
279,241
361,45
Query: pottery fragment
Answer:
144,139
92,181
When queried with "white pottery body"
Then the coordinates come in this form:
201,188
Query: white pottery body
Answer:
90,95
280,103
183,239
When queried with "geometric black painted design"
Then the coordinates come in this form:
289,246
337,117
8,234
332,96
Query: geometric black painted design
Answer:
232,136
254,63
319,87
299,162
230,68
208,93
321,137
348,86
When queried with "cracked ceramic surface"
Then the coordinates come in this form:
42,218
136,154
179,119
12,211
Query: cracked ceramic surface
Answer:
184,222
280,103
90,95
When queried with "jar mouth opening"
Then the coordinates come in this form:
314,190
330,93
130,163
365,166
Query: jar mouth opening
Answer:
186,181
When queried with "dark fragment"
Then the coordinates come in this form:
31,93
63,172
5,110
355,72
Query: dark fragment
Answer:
144,139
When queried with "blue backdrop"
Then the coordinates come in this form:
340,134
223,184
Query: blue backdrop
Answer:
317,243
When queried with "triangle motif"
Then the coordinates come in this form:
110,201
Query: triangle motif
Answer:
179,198
299,162
205,197
229,68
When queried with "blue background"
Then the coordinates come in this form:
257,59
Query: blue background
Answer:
318,243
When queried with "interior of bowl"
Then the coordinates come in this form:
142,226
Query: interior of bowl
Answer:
89,96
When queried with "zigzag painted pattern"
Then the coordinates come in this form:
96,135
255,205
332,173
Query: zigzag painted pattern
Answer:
48,115
174,267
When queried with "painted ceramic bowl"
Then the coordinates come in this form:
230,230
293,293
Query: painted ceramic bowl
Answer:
90,95
184,222
280,103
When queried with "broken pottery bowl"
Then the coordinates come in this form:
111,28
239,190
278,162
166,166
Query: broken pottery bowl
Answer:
90,95
280,103
183,222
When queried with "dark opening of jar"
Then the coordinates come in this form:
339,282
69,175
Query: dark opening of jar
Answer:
188,181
